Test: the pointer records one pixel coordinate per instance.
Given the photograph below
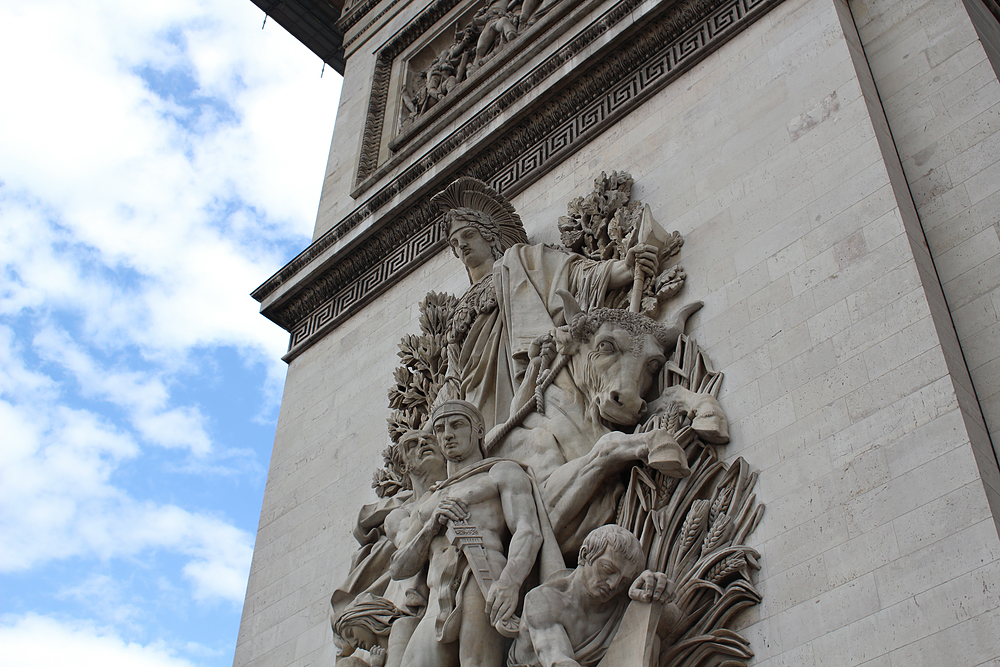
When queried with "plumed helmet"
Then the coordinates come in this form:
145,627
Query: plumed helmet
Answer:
493,215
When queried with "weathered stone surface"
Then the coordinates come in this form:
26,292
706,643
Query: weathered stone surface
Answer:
832,320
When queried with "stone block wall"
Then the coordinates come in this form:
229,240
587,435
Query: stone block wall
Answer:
942,101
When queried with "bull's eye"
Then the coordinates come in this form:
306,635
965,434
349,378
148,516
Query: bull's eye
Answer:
606,347
654,366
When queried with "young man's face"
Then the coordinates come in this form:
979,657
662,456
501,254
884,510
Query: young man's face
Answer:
606,576
421,452
456,436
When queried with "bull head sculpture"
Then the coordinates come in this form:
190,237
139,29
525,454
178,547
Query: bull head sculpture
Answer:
616,356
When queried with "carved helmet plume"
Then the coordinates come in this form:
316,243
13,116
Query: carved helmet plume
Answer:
472,201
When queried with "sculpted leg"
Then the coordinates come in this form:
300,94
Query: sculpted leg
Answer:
423,650
399,637
486,39
479,644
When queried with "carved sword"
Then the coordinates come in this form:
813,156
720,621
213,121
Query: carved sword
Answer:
466,536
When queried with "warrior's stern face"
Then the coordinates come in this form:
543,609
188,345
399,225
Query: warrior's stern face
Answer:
456,436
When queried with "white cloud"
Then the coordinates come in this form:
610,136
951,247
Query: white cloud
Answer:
40,641
144,396
157,162
57,499
219,552
101,172
105,597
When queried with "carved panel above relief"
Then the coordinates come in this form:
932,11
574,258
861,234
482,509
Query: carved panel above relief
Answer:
552,476
481,33
451,51
468,59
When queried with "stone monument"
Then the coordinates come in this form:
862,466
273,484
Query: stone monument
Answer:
587,413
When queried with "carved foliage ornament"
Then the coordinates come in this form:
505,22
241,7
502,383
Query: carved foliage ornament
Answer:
633,471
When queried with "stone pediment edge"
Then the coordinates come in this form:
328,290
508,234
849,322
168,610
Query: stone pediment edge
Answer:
599,96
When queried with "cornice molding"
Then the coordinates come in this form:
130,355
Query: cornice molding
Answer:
358,12
453,141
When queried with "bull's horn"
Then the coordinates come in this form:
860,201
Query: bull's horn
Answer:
570,306
676,328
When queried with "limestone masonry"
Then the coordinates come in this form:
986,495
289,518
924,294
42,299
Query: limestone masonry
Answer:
642,332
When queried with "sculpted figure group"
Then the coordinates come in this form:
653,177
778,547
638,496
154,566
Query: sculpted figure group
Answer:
492,27
549,399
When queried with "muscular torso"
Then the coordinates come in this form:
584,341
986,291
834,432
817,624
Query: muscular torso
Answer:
553,610
481,495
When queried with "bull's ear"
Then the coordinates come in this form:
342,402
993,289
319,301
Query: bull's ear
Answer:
570,306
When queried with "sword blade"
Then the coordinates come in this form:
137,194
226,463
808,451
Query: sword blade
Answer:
467,537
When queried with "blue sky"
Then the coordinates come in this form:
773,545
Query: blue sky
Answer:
158,161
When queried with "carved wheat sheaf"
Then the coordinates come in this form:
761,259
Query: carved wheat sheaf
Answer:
695,531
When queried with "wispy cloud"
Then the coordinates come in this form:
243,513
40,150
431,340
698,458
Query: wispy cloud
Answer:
40,641
157,162
142,395
57,498
123,211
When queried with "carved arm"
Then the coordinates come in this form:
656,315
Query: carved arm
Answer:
623,270
521,516
569,489
549,639
411,558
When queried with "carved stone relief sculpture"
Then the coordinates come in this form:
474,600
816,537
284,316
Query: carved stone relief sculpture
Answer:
572,618
477,39
578,428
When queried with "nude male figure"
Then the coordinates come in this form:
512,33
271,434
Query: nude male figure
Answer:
425,466
570,620
381,619
497,497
